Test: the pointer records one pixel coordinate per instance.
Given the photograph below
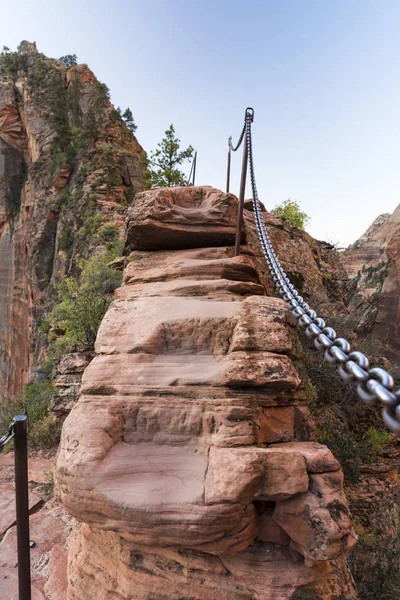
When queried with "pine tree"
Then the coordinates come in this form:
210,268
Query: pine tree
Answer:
129,120
164,163
70,60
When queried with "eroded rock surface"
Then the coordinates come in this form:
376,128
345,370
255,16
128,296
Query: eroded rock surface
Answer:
187,456
186,217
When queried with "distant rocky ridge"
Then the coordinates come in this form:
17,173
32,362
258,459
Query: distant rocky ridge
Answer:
373,266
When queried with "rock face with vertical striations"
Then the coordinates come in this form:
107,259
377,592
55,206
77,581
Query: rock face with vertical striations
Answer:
189,457
373,265
68,165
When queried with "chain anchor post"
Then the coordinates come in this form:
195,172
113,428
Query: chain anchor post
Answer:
249,116
228,170
20,427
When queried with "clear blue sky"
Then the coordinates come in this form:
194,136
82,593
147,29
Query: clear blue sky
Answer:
323,77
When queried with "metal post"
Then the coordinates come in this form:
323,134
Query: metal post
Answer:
228,171
241,197
194,166
22,506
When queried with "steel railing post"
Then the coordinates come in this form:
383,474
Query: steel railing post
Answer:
241,198
228,170
22,506
194,166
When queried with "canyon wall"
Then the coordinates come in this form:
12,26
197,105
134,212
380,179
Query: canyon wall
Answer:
373,266
69,167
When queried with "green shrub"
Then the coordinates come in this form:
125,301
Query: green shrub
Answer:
83,300
354,432
375,566
46,490
108,232
34,401
45,433
290,211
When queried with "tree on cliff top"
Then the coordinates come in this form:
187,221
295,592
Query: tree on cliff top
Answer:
290,211
69,60
164,162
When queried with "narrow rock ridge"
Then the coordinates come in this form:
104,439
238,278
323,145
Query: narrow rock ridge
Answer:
189,457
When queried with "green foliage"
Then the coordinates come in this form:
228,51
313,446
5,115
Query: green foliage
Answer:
34,401
164,163
69,60
65,240
109,232
353,432
374,441
129,120
83,300
108,163
375,566
11,63
291,212
44,434
46,490
59,104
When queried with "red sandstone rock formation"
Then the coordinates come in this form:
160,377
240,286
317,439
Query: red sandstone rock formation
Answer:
188,457
49,188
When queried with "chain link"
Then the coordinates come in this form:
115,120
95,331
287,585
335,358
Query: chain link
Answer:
240,140
375,386
8,437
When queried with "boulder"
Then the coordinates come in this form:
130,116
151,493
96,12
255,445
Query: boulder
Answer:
186,217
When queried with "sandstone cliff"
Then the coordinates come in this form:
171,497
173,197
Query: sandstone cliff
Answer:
189,457
69,167
372,263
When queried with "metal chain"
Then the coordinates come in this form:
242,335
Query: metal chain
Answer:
374,386
240,137
8,437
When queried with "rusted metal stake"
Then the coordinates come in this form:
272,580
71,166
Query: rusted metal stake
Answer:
241,198
22,506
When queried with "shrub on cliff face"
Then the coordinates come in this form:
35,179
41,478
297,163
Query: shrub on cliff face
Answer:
82,302
290,211
376,566
34,401
354,432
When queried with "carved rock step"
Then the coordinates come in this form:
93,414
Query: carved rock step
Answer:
186,217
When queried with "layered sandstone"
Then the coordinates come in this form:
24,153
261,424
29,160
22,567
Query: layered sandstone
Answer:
189,456
67,163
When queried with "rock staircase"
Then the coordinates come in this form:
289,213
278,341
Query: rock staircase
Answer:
189,458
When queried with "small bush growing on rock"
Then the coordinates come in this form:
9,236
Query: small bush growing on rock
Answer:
34,401
290,211
83,300
108,232
353,432
376,566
